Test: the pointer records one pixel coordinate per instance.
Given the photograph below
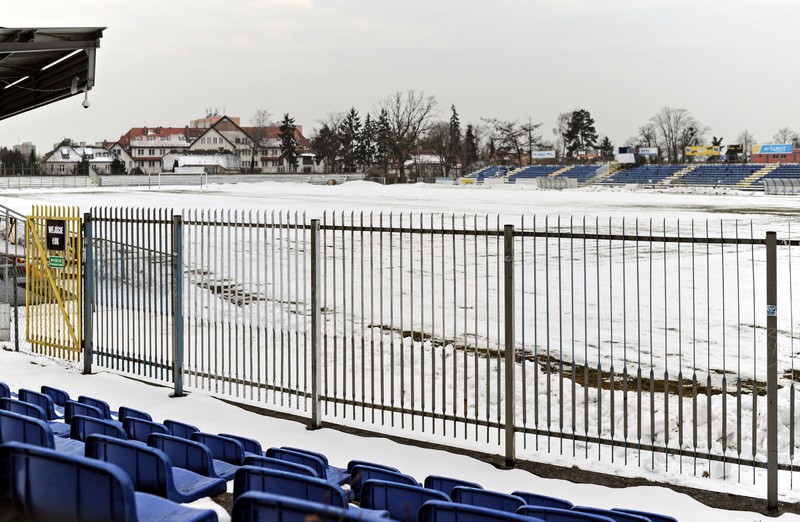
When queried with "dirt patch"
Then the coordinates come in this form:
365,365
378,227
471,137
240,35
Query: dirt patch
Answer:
592,377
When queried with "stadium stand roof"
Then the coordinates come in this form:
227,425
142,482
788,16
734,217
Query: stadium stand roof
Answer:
39,66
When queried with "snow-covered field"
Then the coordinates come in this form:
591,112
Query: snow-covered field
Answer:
512,204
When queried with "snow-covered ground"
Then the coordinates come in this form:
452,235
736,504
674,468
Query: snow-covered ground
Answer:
511,203
209,414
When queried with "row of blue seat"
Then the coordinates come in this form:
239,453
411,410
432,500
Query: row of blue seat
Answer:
179,463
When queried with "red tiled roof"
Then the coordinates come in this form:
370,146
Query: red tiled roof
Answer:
272,132
136,132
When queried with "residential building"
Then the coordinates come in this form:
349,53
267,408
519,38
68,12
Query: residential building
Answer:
67,155
226,134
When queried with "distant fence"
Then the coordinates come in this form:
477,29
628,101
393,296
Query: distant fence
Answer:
637,343
166,180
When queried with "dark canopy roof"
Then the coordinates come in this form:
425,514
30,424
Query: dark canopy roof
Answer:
39,66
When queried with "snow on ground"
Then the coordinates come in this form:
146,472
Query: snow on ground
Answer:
766,212
209,414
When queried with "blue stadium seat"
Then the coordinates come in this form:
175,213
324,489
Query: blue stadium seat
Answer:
560,515
251,446
60,429
265,507
180,429
78,408
82,426
251,478
354,463
534,499
191,455
402,501
29,430
333,473
5,391
139,429
48,485
485,498
222,448
438,511
315,463
361,474
279,465
654,517
125,412
60,397
97,403
446,484
151,470
616,516
40,399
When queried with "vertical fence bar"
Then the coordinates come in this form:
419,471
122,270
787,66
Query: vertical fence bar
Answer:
508,247
88,294
772,373
177,305
316,354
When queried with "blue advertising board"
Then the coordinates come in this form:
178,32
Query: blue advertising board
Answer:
773,148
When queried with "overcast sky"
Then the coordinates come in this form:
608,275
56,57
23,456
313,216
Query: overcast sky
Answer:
730,63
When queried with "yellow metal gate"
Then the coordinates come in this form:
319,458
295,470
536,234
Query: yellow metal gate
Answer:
54,281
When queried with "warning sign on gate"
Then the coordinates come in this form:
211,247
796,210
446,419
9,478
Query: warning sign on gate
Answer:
55,262
56,234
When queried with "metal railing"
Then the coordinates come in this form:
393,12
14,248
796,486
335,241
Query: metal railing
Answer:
639,344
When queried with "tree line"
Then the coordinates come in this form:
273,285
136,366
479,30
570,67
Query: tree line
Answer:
405,125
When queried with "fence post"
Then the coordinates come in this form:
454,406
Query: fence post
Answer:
316,354
88,294
772,373
12,224
510,350
177,305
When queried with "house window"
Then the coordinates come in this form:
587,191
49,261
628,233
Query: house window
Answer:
276,163
140,163
151,164
151,152
61,167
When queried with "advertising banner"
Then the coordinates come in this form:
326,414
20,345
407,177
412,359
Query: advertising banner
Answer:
648,151
702,150
543,154
773,148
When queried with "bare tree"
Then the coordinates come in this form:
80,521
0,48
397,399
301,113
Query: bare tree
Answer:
510,138
786,135
676,129
562,124
409,116
532,137
746,139
258,134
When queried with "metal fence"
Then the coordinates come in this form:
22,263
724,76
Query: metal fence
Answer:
639,344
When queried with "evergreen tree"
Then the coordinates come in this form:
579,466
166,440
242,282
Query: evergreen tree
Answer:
326,147
118,166
288,141
383,140
32,164
470,155
82,168
580,134
366,142
454,145
350,132
606,148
